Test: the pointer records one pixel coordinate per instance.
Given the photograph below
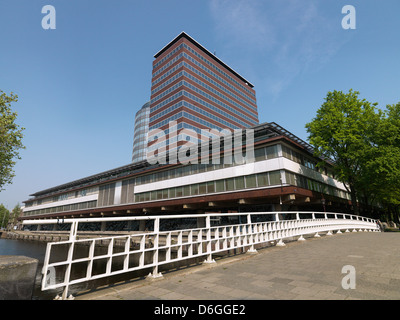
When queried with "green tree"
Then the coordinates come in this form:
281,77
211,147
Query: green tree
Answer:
10,139
382,167
14,215
4,216
342,131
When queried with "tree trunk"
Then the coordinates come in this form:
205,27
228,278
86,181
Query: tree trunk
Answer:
353,196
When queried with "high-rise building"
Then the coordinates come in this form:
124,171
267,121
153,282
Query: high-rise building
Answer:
196,90
140,133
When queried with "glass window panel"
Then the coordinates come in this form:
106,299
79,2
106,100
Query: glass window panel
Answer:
239,183
159,194
259,154
202,188
210,187
286,152
186,191
272,152
251,181
229,184
179,191
219,186
171,192
262,179
153,195
186,170
275,178
195,189
194,168
165,194
290,178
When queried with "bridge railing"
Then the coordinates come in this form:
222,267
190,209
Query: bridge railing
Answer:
152,249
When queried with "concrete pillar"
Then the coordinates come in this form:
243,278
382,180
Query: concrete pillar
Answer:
17,277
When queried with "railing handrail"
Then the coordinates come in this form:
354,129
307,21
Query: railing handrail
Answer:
200,240
177,216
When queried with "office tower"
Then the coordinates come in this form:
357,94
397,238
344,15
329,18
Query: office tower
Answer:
140,133
196,90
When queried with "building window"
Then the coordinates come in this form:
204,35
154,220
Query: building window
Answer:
259,154
251,181
210,187
262,179
275,178
220,186
230,184
239,183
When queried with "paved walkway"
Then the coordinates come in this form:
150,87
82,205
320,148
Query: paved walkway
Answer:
301,270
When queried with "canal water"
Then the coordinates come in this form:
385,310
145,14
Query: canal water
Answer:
37,250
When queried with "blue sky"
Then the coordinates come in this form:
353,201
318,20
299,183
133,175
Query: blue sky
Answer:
80,85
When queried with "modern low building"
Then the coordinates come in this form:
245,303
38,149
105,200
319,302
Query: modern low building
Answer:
140,133
283,176
195,90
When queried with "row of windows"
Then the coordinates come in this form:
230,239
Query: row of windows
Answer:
202,111
166,74
166,101
189,116
259,180
203,67
64,196
219,70
166,92
217,85
175,77
299,158
264,153
167,65
167,56
303,182
207,96
166,83
194,61
231,184
140,137
142,122
222,104
69,207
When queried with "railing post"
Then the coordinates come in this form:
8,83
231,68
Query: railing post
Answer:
155,274
251,249
73,231
208,239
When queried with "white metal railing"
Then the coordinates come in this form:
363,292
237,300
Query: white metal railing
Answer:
152,249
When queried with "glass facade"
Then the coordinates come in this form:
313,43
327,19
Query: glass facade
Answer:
226,183
140,133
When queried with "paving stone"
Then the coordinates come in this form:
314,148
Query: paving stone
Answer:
307,270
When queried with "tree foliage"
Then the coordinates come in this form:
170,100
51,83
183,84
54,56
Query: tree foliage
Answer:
363,142
10,139
4,216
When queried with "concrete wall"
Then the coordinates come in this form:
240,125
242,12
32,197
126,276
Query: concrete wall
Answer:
17,277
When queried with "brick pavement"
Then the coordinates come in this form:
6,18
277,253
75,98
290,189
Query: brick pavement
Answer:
308,270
